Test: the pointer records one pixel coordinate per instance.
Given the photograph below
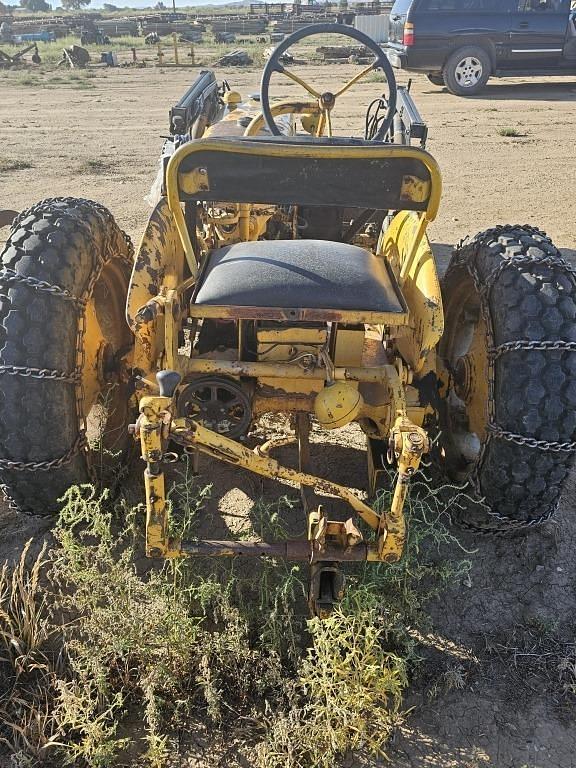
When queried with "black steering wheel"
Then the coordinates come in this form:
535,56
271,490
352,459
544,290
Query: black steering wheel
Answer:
327,100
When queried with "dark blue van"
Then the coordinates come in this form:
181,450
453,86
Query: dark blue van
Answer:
461,43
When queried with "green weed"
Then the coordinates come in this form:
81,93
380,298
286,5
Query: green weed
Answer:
26,80
349,694
89,638
375,77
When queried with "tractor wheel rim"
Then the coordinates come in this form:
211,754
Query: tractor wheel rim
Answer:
466,356
469,72
106,337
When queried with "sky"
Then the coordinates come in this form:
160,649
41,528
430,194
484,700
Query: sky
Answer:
151,3
97,4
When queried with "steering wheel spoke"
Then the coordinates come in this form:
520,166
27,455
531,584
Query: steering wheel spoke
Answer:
328,123
356,78
282,70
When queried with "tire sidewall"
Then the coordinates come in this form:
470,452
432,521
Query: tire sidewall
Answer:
437,79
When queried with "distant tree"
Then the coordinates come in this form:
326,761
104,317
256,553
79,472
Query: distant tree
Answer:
74,5
160,7
35,5
109,7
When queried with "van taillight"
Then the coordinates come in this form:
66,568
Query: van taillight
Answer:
408,38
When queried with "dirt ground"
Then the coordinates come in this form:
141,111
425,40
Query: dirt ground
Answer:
501,640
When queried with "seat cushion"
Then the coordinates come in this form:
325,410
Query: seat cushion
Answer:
315,274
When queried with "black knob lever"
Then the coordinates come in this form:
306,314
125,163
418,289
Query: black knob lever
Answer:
167,382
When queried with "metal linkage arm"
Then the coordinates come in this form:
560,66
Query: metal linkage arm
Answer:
408,443
188,432
156,426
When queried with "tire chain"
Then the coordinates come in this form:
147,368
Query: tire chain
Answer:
10,277
44,466
74,377
526,344
508,524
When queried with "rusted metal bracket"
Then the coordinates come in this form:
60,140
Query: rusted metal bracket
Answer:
327,583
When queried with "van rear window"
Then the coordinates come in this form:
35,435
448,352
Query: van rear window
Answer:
402,6
463,5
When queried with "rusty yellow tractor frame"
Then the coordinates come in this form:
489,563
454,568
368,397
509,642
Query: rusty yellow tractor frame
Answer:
167,267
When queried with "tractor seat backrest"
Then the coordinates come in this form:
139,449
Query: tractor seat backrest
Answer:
305,171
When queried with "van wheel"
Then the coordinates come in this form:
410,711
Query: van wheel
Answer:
467,71
436,80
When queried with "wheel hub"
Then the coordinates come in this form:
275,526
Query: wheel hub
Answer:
465,352
468,72
463,377
327,100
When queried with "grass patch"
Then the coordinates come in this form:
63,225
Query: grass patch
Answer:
23,79
12,164
510,133
92,649
41,78
82,85
93,166
375,77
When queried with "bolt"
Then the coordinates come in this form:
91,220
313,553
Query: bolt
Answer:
416,438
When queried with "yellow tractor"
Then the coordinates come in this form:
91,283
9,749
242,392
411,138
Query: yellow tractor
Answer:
285,269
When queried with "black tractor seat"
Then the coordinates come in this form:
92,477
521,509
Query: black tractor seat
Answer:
316,274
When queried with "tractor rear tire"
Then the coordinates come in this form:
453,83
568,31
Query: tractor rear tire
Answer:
65,267
510,339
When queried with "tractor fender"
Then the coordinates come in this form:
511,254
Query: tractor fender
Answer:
156,267
420,288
